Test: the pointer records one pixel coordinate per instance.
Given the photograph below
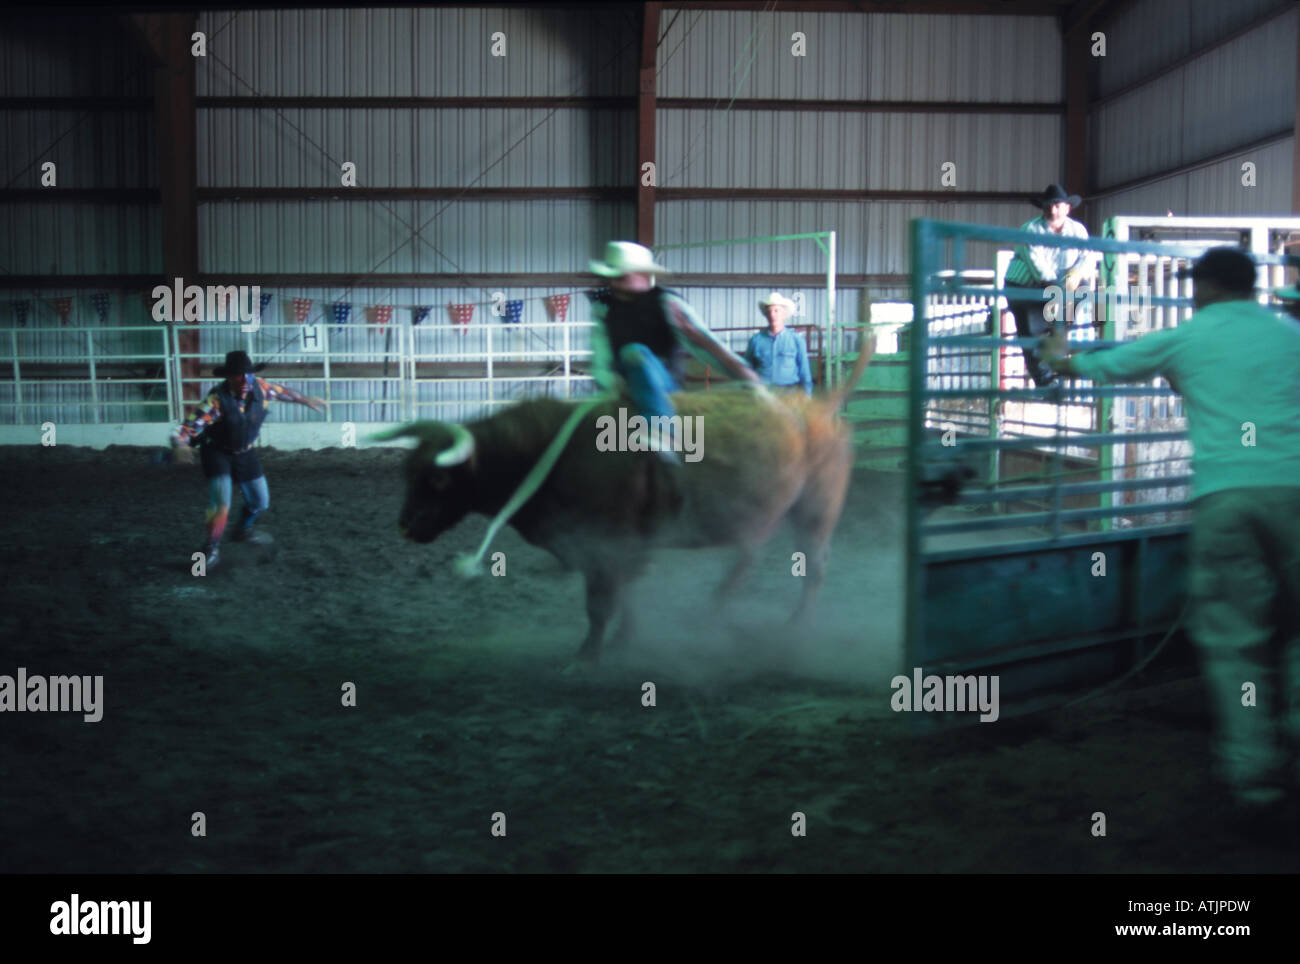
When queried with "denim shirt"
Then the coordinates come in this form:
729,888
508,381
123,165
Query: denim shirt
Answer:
780,360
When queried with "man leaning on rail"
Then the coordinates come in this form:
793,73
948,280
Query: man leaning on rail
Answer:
1237,365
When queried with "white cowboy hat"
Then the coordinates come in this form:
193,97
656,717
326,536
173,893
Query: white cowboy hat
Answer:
776,298
625,257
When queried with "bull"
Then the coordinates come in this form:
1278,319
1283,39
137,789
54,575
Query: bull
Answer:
766,457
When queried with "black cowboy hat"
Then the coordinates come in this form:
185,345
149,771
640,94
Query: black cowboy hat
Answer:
1228,267
1054,193
237,363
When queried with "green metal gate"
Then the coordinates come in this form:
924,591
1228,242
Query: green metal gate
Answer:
1041,572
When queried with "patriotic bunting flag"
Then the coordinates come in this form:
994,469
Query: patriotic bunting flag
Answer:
382,315
341,312
232,304
100,302
557,307
266,300
599,296
63,308
301,308
422,313
21,308
460,315
514,312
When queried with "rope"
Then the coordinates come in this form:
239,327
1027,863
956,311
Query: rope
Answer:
1136,669
469,566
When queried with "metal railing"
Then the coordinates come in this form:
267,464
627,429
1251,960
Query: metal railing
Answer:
96,375
1066,553
39,384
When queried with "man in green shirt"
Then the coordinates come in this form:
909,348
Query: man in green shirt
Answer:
1237,365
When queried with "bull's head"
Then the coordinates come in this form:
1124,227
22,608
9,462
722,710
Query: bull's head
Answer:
439,478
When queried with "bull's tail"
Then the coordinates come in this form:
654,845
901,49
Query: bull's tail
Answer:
866,348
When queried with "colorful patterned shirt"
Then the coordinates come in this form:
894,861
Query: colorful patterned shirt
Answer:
208,411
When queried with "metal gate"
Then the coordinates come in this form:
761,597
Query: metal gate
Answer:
1062,559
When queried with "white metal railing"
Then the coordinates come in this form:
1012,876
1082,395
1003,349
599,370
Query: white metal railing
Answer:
29,386
403,391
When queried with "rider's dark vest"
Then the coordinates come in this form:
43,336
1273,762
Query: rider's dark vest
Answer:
236,430
642,319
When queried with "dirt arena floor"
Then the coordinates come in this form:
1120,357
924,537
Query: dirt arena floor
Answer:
222,695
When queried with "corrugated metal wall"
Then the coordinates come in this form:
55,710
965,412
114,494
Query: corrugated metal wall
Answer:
1210,105
718,53
73,58
1150,35
1212,191
1219,102
77,57
422,52
878,57
443,53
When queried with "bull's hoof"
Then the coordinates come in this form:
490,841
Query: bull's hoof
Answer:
580,666
588,653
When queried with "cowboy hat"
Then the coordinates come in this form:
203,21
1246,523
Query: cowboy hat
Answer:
625,257
776,298
237,363
1052,194
1291,293
1229,267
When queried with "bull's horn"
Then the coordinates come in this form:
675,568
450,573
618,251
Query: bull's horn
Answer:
462,447
420,431
390,434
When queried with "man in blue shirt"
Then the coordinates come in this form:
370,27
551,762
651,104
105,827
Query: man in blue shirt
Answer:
779,354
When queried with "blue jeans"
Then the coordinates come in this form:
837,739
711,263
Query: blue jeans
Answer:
256,500
648,380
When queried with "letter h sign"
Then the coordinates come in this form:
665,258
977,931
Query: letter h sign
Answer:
310,337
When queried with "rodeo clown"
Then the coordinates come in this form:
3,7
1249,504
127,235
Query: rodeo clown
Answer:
645,332
225,426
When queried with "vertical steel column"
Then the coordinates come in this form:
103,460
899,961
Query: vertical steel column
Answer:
94,386
1295,141
408,407
166,38
167,370
568,366
645,123
490,384
1259,245
1076,66
329,384
1115,277
922,241
18,378
836,335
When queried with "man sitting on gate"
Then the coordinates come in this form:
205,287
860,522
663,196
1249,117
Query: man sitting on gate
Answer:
1042,266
